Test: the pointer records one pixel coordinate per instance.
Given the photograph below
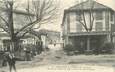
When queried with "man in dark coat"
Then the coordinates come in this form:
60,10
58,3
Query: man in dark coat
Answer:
4,63
11,61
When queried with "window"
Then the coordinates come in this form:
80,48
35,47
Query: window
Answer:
78,16
72,22
79,27
107,21
99,26
99,15
111,15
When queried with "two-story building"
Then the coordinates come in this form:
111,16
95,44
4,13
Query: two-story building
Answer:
75,33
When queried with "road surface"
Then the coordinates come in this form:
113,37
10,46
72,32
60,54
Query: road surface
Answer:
56,61
68,68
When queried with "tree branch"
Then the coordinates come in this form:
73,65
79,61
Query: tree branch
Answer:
23,35
92,21
91,10
43,12
4,21
24,27
83,25
28,11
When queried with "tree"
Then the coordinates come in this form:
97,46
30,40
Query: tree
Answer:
37,13
88,26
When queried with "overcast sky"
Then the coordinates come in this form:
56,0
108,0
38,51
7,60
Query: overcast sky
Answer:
64,4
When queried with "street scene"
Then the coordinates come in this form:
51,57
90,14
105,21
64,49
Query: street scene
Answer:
57,35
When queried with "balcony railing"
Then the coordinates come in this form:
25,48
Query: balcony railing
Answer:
89,33
93,30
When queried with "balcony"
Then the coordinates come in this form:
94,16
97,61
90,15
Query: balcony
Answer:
89,33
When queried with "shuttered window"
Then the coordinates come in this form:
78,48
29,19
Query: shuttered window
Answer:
99,26
99,15
111,15
79,27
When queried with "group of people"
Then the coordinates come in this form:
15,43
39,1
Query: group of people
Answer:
9,58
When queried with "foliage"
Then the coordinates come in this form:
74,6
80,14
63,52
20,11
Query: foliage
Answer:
30,47
106,48
69,49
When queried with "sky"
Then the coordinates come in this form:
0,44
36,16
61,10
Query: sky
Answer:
64,4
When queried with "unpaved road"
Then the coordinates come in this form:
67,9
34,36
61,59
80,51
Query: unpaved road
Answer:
57,61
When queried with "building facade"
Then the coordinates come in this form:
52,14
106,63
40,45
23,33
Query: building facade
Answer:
74,32
50,37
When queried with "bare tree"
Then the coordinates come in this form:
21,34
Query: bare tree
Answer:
88,26
37,13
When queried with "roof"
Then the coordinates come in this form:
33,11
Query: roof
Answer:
88,5
36,33
48,31
3,34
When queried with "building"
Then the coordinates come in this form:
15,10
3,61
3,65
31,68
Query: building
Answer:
74,32
45,37
49,37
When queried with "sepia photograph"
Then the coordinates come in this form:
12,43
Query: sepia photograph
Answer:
57,36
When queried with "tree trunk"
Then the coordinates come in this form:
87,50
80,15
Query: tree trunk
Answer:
15,45
11,26
12,46
88,43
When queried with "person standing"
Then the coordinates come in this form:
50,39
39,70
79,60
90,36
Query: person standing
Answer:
4,63
11,61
